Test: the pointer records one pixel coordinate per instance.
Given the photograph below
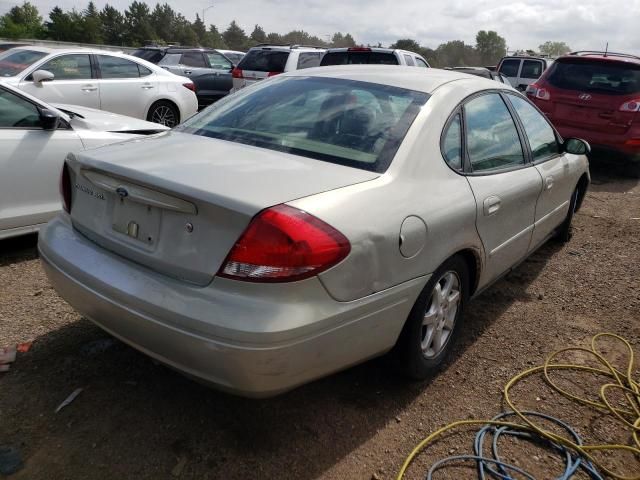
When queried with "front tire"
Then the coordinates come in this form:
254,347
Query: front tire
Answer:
565,232
165,113
434,322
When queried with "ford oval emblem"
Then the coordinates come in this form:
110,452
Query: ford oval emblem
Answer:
122,192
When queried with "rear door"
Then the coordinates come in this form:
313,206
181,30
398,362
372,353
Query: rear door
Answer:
30,161
74,81
559,175
510,68
218,80
126,87
505,186
529,73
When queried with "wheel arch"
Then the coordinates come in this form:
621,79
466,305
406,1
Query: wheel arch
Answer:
582,186
168,100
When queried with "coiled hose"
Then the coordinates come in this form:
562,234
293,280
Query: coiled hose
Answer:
577,454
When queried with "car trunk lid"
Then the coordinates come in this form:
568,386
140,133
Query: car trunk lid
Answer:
180,215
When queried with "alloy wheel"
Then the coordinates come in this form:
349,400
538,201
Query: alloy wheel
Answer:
164,116
440,315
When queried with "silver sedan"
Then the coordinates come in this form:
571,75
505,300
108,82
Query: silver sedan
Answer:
311,222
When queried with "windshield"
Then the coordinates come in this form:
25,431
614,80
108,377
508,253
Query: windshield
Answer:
15,62
596,76
352,123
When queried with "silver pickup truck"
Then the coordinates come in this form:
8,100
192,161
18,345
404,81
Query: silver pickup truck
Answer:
209,69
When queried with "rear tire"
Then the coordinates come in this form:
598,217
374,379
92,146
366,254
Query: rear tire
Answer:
165,113
565,231
432,327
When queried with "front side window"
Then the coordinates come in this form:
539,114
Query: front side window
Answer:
531,69
116,67
452,143
421,63
509,68
492,138
69,67
409,60
352,123
541,137
14,63
309,60
16,112
193,59
219,62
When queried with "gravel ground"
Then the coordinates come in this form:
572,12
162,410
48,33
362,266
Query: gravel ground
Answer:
137,419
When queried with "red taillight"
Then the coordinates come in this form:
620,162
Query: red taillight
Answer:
273,74
633,142
236,73
631,106
283,244
534,91
359,49
191,86
65,188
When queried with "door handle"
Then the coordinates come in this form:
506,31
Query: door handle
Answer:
548,182
491,205
188,72
89,88
147,86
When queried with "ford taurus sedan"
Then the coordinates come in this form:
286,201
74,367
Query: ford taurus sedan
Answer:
318,219
35,138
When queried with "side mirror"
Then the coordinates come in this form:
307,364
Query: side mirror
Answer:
576,146
40,76
49,119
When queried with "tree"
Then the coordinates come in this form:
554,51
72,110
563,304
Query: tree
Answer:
63,26
200,30
338,40
554,49
407,44
214,38
274,38
234,37
112,25
91,24
138,24
163,22
22,21
258,35
490,46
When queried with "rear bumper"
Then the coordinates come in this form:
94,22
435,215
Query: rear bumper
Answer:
248,339
605,143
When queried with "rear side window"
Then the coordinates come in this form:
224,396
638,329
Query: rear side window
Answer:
409,60
492,138
69,67
16,62
595,76
153,56
309,59
452,144
541,137
351,123
531,69
193,59
509,68
421,63
264,61
359,58
115,67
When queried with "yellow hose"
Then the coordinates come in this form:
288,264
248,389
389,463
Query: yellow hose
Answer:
622,381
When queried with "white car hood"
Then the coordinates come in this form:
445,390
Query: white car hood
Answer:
103,121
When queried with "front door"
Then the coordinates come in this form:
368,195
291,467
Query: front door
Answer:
505,186
73,82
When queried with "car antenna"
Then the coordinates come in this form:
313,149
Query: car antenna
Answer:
606,49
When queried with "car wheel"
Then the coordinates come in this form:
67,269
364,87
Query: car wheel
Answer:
564,232
164,113
434,322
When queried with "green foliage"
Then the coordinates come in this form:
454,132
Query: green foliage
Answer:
112,25
138,27
258,35
554,49
491,47
234,37
22,21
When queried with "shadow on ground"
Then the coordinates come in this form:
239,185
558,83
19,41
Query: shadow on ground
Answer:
137,419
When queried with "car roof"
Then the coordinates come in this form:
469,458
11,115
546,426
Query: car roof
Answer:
287,48
604,56
419,79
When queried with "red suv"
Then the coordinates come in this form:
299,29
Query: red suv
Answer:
595,96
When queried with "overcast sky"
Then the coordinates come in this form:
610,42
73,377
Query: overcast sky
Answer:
583,24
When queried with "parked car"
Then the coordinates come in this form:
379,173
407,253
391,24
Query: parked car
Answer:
372,55
314,221
100,79
265,61
209,69
523,71
8,46
482,72
232,55
34,140
595,95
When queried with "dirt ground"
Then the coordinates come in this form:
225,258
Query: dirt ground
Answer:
137,419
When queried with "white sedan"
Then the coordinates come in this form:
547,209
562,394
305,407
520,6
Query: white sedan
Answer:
34,140
100,79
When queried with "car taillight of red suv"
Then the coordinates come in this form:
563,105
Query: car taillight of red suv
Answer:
594,96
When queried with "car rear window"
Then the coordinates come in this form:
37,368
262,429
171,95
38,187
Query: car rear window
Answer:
153,56
588,75
359,58
13,63
351,123
264,60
